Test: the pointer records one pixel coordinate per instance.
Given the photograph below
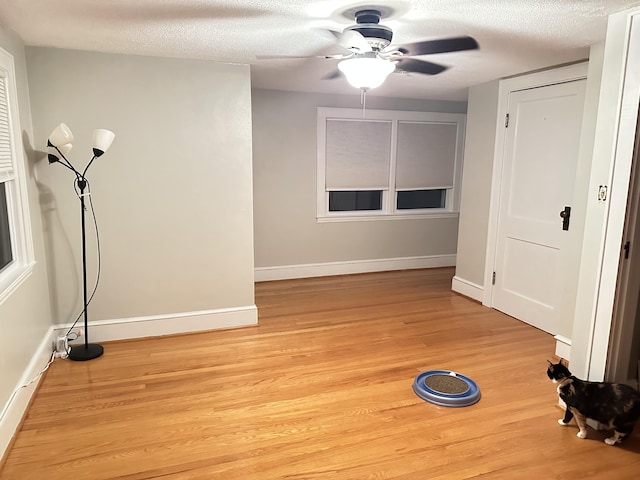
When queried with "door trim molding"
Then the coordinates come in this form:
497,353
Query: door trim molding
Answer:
614,142
569,73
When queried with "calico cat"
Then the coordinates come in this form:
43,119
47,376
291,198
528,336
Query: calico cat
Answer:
613,404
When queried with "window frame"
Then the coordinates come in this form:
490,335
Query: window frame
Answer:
21,266
389,198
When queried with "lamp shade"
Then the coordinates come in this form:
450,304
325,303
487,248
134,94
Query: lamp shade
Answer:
61,135
102,140
366,72
65,149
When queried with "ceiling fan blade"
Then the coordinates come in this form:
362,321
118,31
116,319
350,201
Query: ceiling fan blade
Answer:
419,66
337,56
333,75
352,40
444,45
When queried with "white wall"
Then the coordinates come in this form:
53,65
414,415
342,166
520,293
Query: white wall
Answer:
476,189
25,316
287,235
173,195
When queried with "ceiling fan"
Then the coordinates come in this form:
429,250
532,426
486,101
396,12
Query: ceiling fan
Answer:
372,56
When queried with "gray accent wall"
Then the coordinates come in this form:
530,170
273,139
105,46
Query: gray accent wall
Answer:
173,195
284,161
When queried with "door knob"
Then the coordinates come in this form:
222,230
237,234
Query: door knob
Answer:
565,215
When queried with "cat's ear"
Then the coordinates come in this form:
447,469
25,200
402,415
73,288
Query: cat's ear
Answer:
549,362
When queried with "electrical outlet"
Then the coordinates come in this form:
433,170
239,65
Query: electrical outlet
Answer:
62,347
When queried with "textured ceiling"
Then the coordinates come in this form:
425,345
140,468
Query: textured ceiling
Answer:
515,36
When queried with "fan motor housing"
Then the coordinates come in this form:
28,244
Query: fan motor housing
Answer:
368,25
378,36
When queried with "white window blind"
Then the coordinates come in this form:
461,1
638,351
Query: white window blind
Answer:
6,160
357,154
426,155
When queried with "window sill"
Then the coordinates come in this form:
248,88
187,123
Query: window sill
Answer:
382,216
13,278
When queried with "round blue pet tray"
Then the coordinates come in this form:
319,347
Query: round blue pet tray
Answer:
446,388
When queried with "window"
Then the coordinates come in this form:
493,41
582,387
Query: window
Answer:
388,164
16,251
417,199
355,200
6,254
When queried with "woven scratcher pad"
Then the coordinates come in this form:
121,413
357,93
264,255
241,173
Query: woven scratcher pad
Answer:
446,384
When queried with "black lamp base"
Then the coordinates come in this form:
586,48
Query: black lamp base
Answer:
85,352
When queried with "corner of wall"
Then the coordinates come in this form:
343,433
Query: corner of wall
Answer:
467,288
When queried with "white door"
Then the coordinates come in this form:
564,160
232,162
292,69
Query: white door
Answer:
539,169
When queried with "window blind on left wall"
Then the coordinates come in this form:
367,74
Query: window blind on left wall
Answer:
6,158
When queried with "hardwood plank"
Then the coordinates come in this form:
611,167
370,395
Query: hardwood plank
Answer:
320,389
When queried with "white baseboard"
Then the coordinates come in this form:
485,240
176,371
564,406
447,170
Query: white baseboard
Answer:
168,324
563,347
286,272
19,400
467,288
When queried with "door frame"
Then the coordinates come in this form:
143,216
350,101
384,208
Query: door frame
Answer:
613,153
543,78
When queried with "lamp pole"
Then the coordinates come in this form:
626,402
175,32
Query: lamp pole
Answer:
88,351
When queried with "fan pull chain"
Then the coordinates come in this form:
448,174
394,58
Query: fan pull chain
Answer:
363,101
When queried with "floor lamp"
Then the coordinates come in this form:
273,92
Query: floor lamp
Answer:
60,142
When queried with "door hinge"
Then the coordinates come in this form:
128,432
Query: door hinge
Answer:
627,247
506,121
493,278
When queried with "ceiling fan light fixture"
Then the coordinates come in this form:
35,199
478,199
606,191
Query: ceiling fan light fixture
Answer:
366,72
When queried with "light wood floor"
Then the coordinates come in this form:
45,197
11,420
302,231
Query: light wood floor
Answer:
320,390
